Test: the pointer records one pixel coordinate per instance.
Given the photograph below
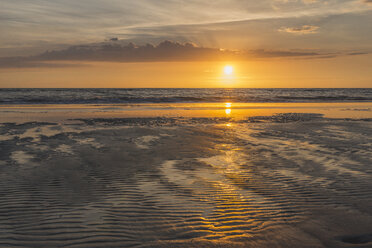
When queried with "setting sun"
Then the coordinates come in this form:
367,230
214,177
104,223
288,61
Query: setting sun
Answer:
228,70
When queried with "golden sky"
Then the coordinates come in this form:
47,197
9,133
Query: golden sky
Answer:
179,43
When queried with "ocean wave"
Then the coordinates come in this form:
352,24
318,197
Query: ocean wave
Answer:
115,96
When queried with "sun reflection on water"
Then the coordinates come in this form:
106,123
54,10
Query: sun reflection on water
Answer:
228,108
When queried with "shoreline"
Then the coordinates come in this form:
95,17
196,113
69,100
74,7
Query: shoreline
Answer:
234,111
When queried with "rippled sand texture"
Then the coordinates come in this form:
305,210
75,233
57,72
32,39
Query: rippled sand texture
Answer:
196,183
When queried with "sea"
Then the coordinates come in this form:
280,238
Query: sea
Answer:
181,95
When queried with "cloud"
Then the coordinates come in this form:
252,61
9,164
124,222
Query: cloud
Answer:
33,62
115,50
357,53
296,1
262,53
305,29
56,23
309,1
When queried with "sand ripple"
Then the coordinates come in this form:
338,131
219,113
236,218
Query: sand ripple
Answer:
304,184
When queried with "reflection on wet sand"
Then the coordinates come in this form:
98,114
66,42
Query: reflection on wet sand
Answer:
58,113
228,108
289,180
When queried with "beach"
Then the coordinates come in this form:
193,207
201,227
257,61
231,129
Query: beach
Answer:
186,124
186,175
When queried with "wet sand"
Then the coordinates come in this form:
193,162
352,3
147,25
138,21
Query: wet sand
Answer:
272,180
61,112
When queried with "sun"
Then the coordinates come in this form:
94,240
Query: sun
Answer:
228,70
228,76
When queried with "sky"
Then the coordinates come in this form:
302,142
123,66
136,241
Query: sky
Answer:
185,43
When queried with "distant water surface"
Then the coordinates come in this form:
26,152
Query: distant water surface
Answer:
243,95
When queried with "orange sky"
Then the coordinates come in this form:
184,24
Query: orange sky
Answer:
270,43
332,72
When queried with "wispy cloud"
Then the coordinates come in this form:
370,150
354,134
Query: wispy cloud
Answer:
305,29
52,23
35,62
309,1
296,1
262,53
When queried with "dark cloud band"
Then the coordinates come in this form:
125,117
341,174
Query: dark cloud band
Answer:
115,51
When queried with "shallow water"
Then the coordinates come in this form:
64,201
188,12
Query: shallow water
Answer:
290,180
229,110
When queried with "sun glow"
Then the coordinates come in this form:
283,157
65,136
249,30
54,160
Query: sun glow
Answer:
228,76
228,70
